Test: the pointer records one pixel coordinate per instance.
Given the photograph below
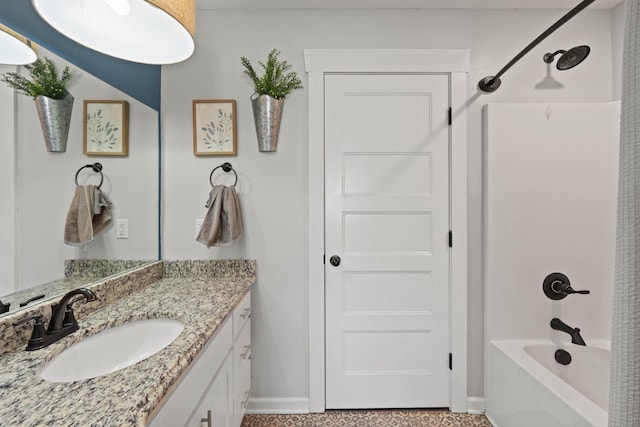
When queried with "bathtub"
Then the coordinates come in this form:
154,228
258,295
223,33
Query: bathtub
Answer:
526,387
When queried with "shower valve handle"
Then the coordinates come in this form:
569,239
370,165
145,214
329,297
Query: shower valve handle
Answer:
585,292
557,286
564,288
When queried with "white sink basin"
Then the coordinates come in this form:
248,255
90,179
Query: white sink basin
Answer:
111,350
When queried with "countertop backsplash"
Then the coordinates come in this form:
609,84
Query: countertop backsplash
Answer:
219,268
99,268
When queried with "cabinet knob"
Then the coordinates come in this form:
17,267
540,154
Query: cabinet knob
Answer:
245,402
247,350
335,260
246,313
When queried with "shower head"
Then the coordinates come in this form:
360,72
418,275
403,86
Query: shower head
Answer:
570,58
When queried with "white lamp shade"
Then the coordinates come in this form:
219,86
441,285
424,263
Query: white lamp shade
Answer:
13,50
134,30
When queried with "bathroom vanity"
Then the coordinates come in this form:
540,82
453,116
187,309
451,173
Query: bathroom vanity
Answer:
215,390
203,375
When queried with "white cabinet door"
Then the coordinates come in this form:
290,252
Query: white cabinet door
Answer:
178,407
387,218
216,407
215,390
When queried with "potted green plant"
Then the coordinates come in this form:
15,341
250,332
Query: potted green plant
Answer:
270,90
54,103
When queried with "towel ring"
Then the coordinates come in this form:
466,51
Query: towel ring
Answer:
96,167
226,166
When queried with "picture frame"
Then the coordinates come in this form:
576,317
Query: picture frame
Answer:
215,127
106,128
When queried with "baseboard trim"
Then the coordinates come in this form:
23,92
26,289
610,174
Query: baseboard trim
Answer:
490,420
475,405
261,405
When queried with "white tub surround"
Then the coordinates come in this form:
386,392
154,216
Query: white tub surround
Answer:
550,206
199,299
528,388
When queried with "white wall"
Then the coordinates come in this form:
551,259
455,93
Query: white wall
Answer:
550,206
7,189
273,186
617,44
45,185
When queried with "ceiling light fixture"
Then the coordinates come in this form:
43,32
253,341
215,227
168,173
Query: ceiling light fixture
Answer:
120,7
15,49
145,31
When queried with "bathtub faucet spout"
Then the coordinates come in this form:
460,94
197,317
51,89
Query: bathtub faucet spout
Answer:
559,325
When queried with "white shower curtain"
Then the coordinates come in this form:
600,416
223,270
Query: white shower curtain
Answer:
624,391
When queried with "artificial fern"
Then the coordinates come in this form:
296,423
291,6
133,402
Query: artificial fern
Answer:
276,81
44,80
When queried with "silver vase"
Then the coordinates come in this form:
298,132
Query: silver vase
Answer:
55,118
267,112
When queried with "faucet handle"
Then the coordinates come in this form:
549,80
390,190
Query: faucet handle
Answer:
584,292
566,288
37,317
557,286
37,335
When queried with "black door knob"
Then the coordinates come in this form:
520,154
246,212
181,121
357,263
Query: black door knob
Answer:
335,260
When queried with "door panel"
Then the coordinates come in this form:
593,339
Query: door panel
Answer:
396,174
387,217
394,232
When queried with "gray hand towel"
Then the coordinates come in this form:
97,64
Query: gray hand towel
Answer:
88,215
222,224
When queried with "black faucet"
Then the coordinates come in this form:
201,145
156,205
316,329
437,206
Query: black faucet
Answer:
62,316
559,325
63,322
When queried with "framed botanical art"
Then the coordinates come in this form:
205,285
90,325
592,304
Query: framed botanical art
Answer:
106,128
214,127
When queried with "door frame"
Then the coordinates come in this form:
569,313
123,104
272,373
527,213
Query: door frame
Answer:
455,63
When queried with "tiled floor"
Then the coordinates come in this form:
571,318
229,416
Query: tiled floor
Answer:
378,418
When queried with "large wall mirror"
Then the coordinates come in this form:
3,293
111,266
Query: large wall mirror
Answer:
37,187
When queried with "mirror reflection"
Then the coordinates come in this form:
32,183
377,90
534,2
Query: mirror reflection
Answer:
38,186
78,273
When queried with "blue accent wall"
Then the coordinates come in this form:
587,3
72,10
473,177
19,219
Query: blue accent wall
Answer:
140,81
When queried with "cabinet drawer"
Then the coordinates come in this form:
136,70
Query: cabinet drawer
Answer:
241,373
242,356
241,314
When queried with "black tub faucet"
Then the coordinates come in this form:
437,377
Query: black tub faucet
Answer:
559,325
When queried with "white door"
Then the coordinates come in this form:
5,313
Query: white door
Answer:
387,219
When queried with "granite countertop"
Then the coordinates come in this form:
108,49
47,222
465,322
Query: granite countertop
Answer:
126,397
